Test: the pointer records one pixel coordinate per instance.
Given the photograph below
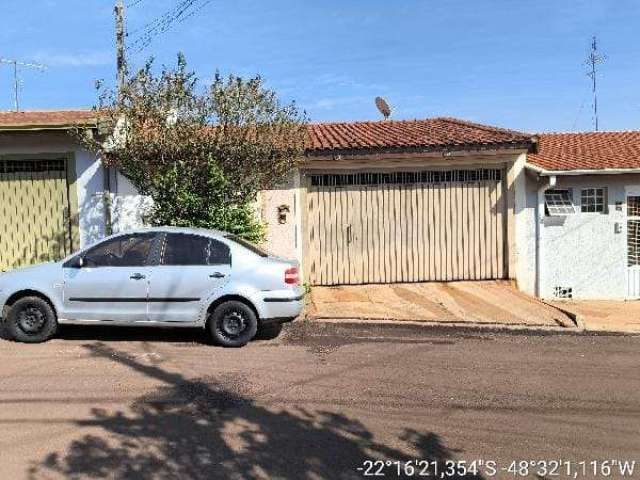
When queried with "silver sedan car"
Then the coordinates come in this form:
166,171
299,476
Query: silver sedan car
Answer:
161,276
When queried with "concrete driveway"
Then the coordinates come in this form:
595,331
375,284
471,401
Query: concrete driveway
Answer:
605,315
487,302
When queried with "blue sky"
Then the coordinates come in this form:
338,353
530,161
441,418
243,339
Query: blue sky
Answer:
514,63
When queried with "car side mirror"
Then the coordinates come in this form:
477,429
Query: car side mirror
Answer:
75,262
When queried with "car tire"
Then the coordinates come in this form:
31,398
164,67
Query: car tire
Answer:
233,324
31,320
269,332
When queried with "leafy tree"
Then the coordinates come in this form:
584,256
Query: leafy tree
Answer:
201,153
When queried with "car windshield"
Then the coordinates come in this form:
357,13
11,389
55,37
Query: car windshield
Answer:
248,245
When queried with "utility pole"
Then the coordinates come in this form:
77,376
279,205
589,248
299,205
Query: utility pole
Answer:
16,79
121,64
593,60
120,47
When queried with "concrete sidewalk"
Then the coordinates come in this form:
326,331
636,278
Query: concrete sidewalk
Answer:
605,315
484,303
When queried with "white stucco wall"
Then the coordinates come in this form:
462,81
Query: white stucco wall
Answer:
128,208
527,235
582,251
282,239
524,275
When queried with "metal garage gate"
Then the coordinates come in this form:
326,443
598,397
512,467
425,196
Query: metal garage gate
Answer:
406,226
34,206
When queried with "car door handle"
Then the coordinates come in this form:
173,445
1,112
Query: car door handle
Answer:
137,276
216,275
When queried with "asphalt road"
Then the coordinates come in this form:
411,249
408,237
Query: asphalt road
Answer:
315,404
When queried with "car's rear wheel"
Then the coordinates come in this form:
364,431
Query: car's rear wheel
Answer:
31,320
233,324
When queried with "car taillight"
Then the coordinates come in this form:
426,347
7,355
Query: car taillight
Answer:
291,276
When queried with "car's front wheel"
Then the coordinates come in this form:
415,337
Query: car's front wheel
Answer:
31,320
233,324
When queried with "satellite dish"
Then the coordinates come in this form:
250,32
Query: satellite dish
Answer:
384,107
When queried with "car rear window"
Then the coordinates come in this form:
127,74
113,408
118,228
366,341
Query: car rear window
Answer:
248,245
187,249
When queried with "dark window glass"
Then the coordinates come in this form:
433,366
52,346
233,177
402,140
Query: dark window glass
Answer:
558,202
183,249
248,245
407,178
593,200
219,253
124,251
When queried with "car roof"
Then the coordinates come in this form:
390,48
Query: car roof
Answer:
187,230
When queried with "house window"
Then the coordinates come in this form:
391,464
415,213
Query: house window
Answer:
592,200
633,242
558,202
633,206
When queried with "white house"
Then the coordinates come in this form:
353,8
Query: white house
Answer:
373,202
583,201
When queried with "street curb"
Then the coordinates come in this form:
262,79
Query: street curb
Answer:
431,324
575,317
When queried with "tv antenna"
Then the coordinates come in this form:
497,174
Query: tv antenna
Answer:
593,60
16,78
383,107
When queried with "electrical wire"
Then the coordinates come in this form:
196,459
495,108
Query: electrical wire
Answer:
575,122
182,11
134,3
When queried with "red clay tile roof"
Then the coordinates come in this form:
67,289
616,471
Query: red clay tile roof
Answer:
333,138
45,119
587,151
433,133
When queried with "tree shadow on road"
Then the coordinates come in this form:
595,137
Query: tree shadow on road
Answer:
210,428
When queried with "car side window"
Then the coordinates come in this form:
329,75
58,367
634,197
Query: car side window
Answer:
189,250
123,251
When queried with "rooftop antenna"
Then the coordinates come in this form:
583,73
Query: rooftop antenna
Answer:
16,79
592,61
383,107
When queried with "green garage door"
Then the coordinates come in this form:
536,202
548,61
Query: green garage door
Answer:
35,211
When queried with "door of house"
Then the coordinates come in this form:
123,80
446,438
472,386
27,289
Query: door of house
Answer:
633,245
390,227
34,212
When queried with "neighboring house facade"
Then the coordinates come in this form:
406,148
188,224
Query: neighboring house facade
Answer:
373,202
51,189
583,202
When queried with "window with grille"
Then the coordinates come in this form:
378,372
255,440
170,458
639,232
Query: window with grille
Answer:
405,178
558,202
32,166
593,200
633,206
633,242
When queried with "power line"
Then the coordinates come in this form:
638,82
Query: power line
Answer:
161,24
195,11
575,122
134,3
